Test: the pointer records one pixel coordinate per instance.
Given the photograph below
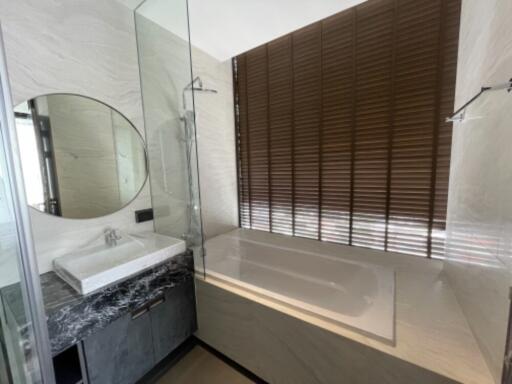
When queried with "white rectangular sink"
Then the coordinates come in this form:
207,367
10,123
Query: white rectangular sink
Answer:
98,265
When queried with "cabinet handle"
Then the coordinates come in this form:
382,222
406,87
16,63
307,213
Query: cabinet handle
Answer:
139,312
157,302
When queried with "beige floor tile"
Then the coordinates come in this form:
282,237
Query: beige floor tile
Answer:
201,367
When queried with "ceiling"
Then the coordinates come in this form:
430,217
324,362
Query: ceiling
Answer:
226,28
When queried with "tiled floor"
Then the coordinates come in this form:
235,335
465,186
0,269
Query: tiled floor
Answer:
201,367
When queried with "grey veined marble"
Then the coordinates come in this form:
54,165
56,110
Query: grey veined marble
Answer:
72,317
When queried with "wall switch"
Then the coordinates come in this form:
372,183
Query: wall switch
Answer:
144,215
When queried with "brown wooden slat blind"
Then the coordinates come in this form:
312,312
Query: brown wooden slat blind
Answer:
280,83
341,130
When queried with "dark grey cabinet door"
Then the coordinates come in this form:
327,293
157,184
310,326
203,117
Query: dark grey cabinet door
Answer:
173,320
120,353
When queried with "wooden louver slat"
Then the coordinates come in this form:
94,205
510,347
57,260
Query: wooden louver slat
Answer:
341,131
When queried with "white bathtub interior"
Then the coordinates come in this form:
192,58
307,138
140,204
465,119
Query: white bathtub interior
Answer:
357,295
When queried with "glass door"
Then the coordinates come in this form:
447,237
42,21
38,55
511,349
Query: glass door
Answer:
168,87
24,348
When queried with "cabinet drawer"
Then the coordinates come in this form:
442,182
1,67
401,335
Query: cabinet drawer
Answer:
173,320
122,352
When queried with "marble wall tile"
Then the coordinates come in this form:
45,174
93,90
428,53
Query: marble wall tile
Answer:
86,47
215,119
89,48
479,243
132,4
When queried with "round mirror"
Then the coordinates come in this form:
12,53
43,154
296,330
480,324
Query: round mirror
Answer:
80,158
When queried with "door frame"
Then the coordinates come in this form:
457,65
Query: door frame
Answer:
28,269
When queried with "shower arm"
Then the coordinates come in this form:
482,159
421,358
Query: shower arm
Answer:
192,87
459,114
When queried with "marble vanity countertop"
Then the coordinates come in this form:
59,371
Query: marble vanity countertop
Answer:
72,317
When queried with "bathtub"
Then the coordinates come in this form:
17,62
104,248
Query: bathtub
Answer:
352,294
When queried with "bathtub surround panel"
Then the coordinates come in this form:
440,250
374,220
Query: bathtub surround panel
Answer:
281,348
431,330
479,243
284,349
82,47
341,127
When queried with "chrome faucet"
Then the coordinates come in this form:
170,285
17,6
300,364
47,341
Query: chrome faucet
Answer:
111,236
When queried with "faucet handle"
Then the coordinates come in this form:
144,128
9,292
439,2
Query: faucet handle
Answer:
111,236
116,234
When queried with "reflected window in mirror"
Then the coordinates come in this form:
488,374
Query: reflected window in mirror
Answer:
36,151
80,158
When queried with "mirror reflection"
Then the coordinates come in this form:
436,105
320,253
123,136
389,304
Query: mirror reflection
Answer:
80,158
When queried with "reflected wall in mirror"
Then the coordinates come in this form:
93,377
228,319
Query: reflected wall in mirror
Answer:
81,158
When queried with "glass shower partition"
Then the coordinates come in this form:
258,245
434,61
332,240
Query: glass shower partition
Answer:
167,84
24,345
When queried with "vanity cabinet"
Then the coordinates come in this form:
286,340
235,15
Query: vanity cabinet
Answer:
115,335
131,346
